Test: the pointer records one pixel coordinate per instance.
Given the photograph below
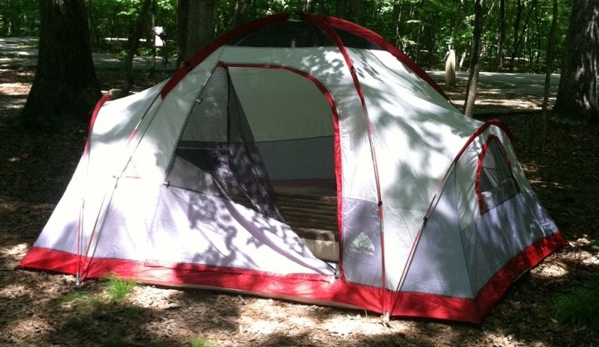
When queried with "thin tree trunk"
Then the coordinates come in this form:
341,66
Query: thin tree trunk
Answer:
397,12
358,7
182,25
341,8
137,32
502,35
475,61
200,27
241,8
450,64
517,21
548,71
549,66
519,34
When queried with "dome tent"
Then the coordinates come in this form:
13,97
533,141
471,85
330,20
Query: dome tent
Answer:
228,174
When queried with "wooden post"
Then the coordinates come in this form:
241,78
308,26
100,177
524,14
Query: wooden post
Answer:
450,62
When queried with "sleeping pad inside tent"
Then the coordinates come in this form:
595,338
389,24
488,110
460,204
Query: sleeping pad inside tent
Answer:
305,158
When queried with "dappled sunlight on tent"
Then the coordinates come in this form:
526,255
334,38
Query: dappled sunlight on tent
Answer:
201,229
438,261
286,136
117,124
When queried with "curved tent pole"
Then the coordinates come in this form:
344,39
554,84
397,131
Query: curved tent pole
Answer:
86,152
437,196
381,42
214,45
328,30
82,270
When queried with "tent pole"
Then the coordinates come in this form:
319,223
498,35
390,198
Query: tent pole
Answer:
327,28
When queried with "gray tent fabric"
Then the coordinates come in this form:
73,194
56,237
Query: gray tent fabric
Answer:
288,133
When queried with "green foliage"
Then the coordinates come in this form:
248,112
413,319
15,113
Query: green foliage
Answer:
77,297
424,30
580,306
101,319
118,288
19,18
108,324
115,19
114,340
200,342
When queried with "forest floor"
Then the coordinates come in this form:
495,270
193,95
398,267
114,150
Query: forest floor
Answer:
44,309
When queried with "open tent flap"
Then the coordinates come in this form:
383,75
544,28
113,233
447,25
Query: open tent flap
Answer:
263,138
291,120
218,140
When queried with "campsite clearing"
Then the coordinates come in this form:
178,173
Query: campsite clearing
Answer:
42,309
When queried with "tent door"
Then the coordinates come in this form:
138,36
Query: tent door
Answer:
292,121
219,143
264,138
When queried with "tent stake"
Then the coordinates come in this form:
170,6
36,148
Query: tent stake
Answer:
386,317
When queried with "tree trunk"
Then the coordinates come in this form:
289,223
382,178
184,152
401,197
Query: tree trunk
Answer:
549,67
200,27
341,8
356,10
241,9
475,61
502,35
538,138
140,26
65,86
519,34
397,12
520,8
182,26
577,97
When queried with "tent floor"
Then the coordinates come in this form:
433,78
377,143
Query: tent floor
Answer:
311,211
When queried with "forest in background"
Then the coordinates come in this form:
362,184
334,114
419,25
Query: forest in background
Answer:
554,305
515,33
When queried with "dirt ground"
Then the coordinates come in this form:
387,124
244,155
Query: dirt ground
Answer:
35,311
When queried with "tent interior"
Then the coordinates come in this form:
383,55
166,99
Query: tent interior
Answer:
263,138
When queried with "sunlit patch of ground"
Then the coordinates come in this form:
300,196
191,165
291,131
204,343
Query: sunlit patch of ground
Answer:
15,88
11,255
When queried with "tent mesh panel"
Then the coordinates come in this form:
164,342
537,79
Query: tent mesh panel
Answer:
496,182
218,141
298,34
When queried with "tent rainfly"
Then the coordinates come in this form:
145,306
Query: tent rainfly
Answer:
302,157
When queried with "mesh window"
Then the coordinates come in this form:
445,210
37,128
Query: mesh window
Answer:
298,34
284,34
355,41
495,181
219,153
